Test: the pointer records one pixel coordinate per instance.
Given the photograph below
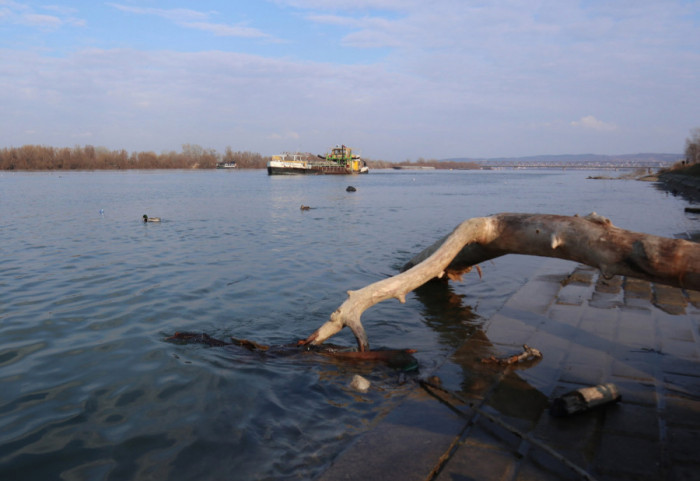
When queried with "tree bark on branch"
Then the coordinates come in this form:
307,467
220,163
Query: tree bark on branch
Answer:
591,240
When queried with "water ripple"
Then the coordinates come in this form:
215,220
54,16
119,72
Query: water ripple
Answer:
90,389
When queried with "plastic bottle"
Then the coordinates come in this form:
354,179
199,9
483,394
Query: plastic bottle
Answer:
584,399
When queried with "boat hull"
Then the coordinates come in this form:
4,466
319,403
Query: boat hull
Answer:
307,168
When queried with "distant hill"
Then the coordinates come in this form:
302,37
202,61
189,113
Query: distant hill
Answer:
574,158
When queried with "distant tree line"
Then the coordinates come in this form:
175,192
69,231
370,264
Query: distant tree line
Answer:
245,160
378,164
441,164
88,157
39,157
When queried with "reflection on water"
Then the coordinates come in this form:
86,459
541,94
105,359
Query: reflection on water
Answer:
88,294
446,313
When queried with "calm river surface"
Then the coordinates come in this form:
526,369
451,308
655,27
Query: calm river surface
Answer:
90,389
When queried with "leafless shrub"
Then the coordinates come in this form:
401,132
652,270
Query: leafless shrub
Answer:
39,157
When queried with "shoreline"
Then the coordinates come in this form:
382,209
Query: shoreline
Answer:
686,186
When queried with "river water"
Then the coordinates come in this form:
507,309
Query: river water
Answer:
91,390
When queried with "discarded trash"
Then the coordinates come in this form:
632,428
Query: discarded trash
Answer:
584,399
359,383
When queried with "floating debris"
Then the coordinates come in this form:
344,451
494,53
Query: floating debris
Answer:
359,383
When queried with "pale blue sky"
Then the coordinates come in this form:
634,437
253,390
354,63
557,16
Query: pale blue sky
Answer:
397,79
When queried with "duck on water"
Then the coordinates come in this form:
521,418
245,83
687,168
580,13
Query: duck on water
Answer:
150,219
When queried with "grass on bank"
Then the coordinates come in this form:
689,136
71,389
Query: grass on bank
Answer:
692,170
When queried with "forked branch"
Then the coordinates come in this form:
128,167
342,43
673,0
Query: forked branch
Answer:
591,240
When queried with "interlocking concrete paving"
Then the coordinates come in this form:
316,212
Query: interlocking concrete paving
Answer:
643,337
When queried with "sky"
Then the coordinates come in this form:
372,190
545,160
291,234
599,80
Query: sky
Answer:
395,79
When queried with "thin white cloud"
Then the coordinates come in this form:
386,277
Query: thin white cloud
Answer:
82,135
44,21
389,5
369,31
177,15
13,5
197,20
223,30
284,136
60,9
136,102
592,123
21,14
338,20
447,78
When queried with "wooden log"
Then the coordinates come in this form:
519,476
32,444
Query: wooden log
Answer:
591,240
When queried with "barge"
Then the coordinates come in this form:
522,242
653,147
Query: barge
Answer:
340,161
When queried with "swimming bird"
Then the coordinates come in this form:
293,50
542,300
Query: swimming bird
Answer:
304,207
150,219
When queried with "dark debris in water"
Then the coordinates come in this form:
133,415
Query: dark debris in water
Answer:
399,359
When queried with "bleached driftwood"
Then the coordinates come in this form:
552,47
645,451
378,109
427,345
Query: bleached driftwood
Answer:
591,240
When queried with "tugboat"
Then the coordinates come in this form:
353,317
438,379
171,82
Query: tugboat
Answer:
340,161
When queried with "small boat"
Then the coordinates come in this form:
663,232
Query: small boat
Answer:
226,165
340,161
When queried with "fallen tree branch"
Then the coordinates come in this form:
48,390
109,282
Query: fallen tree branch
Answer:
591,240
401,359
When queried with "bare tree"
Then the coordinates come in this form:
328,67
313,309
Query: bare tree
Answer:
692,146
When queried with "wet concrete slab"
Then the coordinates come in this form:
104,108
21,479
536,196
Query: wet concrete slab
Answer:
407,444
643,337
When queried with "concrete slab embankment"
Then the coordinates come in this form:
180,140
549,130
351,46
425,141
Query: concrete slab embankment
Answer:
643,337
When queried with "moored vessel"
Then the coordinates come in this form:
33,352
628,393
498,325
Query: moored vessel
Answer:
225,165
340,161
